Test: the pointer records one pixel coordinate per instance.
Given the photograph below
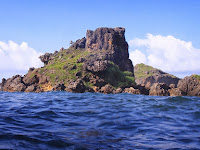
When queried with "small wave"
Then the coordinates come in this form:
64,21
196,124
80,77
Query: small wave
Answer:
47,113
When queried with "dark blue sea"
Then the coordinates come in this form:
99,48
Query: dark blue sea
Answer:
61,120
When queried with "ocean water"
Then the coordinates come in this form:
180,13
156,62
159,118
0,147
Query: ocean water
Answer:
62,120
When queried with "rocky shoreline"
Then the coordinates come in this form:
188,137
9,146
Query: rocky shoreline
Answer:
100,63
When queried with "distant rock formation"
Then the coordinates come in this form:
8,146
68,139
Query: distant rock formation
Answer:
146,75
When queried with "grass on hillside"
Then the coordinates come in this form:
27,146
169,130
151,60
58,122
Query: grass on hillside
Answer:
60,69
144,71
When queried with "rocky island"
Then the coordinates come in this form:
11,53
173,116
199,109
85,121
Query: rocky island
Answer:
100,63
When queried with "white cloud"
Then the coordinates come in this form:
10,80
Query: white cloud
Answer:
137,57
167,53
16,58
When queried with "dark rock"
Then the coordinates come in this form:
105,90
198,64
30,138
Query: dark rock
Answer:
3,83
132,90
112,46
80,60
97,81
59,87
30,80
62,49
14,84
43,79
117,91
20,87
76,86
107,89
72,67
176,92
96,66
78,74
142,89
46,58
79,44
96,89
88,89
189,86
72,56
31,69
31,88
160,89
65,67
38,89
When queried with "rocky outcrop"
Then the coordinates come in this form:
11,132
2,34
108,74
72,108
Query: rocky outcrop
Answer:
107,89
79,44
176,92
13,84
132,90
96,66
59,87
46,58
160,89
111,44
190,86
146,75
76,86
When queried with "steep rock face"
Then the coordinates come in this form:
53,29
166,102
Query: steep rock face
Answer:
112,46
147,76
190,86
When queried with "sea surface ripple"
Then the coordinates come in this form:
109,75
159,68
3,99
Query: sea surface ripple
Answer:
62,120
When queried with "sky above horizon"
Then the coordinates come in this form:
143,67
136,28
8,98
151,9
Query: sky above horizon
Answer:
161,33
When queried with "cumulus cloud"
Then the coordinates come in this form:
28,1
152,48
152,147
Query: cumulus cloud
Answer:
137,57
15,58
167,53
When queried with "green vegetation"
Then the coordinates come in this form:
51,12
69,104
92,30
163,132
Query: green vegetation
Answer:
196,76
143,71
117,78
64,66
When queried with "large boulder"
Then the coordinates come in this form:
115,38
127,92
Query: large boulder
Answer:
79,44
132,90
107,89
31,88
59,87
46,58
189,86
29,80
96,66
176,92
76,86
159,89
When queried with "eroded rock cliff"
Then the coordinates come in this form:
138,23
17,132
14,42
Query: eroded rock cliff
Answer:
88,65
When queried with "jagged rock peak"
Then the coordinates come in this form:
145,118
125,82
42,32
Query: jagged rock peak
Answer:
106,39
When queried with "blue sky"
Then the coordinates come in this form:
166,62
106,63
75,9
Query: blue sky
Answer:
48,25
